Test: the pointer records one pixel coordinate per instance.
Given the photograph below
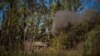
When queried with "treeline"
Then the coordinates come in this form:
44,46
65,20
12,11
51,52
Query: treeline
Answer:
31,20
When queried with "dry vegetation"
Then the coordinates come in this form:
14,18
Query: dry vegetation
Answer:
76,42
29,29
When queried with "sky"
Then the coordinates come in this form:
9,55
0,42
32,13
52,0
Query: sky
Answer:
2,10
1,17
89,4
1,13
85,4
6,6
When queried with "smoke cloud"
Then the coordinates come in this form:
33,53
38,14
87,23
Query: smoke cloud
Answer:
62,19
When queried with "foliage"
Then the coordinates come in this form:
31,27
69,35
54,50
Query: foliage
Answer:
31,20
